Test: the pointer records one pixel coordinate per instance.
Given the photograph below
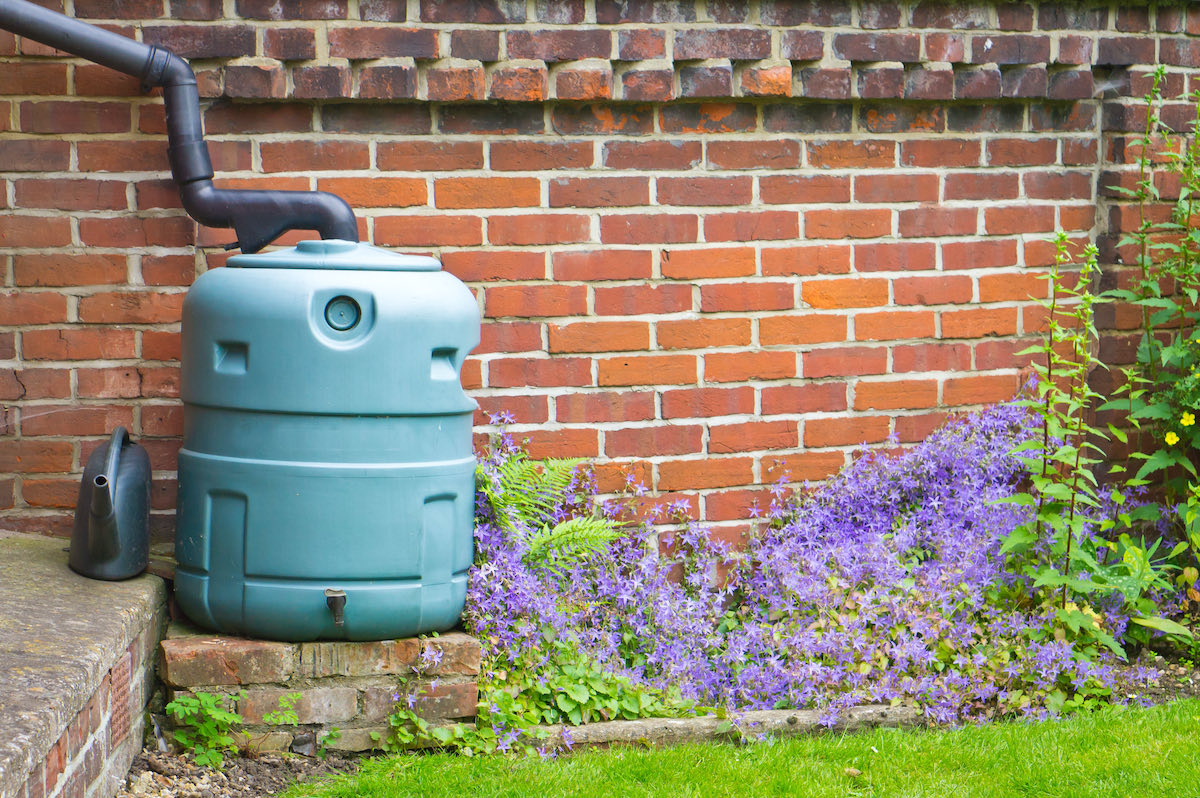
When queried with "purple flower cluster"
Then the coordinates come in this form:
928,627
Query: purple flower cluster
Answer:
885,584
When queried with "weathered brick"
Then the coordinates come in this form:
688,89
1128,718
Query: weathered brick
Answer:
314,705
189,662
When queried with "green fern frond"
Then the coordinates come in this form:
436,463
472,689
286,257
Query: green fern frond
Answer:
572,540
525,492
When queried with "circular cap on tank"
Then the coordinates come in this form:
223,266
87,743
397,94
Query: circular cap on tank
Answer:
335,254
342,313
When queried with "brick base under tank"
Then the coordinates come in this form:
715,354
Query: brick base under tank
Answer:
342,685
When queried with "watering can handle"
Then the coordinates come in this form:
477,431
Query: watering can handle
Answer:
112,461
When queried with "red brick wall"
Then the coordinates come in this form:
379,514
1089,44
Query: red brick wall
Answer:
713,241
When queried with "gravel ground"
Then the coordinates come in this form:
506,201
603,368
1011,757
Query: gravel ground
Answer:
164,775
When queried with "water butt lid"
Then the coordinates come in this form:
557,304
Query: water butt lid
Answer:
335,254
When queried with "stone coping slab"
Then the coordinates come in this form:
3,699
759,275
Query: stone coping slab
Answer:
60,633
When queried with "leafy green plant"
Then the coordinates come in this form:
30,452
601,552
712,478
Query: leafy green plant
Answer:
1066,549
1162,389
207,721
285,714
525,494
327,739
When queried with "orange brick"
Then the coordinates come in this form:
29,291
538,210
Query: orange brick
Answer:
895,256
474,266
748,366
931,357
896,188
81,343
428,231
539,372
806,260
673,439
711,472
603,264
596,407
599,192
535,300
802,466
934,221
849,293
805,328
845,361
21,308
703,333
690,264
648,370
75,420
751,436
746,296
326,154
131,307
656,228
894,326
542,228
978,322
852,154
979,389
377,192
819,432
847,223
487,192
940,290
35,456
981,253
707,402
916,428
705,190
811,397
895,394
568,442
599,336
69,269
1012,287
1018,219
752,226
34,231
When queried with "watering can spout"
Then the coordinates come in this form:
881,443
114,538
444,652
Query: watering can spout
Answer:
102,498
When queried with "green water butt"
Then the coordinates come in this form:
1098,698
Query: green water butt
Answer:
326,480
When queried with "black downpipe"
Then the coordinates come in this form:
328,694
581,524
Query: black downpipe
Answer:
257,217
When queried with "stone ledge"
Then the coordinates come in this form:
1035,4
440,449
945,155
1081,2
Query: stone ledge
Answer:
74,654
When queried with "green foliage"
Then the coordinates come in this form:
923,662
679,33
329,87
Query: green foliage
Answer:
524,494
327,739
567,689
1162,389
1070,559
285,715
207,721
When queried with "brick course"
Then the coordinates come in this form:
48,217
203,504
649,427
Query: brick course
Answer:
348,686
801,238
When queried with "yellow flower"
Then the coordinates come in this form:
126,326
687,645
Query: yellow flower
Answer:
1172,438
1187,419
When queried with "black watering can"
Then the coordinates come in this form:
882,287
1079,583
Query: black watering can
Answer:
111,539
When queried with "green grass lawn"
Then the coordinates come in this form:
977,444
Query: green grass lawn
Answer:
1119,752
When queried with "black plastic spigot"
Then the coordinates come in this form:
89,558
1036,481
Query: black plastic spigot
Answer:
336,601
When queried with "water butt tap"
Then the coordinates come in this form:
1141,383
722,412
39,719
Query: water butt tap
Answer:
336,600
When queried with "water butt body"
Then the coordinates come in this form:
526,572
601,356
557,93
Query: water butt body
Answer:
326,480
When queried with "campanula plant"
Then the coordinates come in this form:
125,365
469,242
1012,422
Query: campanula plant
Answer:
885,584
